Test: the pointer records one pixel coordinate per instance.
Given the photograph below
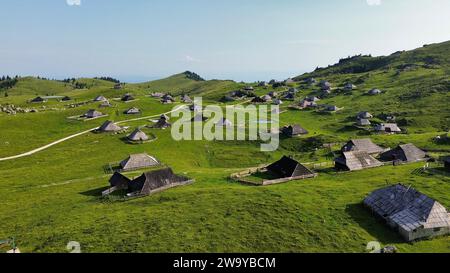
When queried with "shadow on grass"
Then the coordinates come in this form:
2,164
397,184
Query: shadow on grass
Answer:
95,192
373,224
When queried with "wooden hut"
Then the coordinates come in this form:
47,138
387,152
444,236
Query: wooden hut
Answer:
362,145
93,114
132,111
138,136
364,115
389,128
293,130
38,100
127,97
356,160
405,153
156,181
288,167
412,214
363,122
374,92
109,126
186,99
138,161
162,123
100,98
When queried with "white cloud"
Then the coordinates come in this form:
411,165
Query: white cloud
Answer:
73,2
373,2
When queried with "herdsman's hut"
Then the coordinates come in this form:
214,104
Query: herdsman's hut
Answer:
105,104
332,108
362,145
167,99
413,214
226,99
325,85
128,97
37,100
156,181
132,111
109,126
100,98
199,118
363,122
258,100
356,160
294,130
186,99
138,161
349,87
148,183
119,181
162,123
138,136
364,115
277,102
374,92
266,98
223,122
93,114
288,167
389,128
405,153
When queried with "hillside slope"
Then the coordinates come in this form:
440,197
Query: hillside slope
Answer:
415,85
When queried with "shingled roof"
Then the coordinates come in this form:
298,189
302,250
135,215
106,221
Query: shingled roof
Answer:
407,153
109,126
151,181
364,145
356,160
133,111
93,114
288,167
162,123
138,135
128,97
138,161
119,180
388,128
294,130
409,211
100,98
363,122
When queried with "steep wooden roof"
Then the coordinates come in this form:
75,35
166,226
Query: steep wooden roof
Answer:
138,161
357,160
364,145
408,208
406,152
288,167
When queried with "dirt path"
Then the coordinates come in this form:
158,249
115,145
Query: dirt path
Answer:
79,134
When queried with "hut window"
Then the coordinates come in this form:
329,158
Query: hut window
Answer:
437,229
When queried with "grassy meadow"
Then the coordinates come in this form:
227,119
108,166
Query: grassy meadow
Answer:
54,196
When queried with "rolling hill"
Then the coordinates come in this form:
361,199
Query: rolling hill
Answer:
54,196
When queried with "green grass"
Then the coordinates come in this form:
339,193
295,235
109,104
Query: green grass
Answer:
53,197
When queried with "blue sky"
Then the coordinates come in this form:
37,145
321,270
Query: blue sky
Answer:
234,39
